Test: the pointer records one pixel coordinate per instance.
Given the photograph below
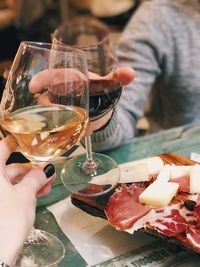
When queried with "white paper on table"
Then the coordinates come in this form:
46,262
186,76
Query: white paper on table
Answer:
93,237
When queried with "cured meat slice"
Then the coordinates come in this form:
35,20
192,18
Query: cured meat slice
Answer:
124,209
197,212
197,208
189,216
169,222
181,175
184,183
193,236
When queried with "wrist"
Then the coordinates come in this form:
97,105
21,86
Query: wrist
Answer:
106,132
109,118
97,124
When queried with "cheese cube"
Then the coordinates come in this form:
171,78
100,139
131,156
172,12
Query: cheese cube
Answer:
195,179
158,194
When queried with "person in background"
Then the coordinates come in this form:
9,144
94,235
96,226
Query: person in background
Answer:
20,185
114,12
161,42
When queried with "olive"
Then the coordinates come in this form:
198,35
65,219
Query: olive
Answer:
190,204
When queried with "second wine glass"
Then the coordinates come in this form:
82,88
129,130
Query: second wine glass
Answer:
94,174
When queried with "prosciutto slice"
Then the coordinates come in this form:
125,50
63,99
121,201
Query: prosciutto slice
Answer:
184,183
169,222
193,236
126,213
124,209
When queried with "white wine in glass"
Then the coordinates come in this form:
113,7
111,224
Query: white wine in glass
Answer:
45,118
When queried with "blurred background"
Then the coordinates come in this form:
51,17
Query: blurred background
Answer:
35,20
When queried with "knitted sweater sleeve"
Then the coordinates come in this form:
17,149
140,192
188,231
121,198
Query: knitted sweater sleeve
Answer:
142,46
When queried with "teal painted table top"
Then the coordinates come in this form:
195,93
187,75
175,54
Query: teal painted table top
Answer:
181,140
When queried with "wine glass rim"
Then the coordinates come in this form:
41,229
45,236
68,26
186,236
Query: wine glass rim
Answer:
82,47
49,46
76,21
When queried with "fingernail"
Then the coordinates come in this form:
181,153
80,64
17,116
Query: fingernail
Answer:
49,170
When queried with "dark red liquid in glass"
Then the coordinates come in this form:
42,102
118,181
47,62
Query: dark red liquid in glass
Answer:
103,96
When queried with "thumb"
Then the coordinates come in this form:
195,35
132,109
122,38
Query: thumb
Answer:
125,75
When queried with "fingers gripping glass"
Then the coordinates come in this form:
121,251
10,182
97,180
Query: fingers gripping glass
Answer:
94,174
45,119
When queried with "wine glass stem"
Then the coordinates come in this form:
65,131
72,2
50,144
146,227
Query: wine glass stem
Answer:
89,166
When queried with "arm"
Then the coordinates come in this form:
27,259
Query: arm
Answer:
141,46
18,201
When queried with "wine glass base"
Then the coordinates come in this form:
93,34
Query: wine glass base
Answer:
90,182
46,253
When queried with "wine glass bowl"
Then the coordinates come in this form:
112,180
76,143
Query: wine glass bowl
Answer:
44,124
34,130
93,37
44,108
82,32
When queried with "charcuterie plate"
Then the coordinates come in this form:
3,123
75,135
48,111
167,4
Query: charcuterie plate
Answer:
175,222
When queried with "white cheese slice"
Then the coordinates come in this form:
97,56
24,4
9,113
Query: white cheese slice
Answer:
195,179
179,171
164,174
133,173
158,194
140,170
106,178
173,171
154,164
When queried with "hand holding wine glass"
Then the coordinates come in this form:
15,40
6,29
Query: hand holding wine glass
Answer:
20,186
45,130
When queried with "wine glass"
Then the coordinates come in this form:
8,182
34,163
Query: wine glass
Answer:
94,174
45,118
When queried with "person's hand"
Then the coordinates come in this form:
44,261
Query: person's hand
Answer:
19,186
52,78
124,75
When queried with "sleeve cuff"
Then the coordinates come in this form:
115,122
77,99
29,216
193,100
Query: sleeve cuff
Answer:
107,130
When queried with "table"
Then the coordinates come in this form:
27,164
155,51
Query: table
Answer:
182,140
